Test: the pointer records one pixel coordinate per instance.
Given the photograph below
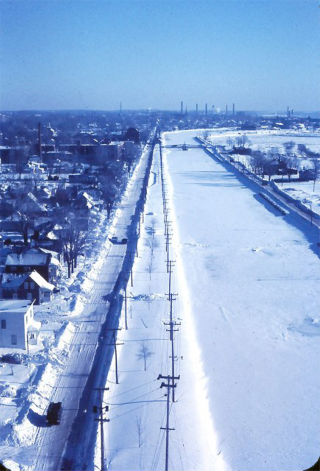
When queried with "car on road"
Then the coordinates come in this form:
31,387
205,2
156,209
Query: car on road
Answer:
115,240
54,413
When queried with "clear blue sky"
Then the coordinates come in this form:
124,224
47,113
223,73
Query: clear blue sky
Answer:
65,54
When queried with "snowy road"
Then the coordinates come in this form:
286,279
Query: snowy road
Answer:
50,442
253,282
81,354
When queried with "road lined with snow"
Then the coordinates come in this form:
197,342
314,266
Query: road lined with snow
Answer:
42,447
253,282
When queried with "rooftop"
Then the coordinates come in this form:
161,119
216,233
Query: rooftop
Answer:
14,305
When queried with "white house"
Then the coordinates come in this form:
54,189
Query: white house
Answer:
18,328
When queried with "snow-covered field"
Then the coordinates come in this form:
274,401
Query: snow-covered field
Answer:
253,285
264,140
133,437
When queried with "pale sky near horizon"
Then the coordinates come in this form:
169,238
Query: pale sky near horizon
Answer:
92,54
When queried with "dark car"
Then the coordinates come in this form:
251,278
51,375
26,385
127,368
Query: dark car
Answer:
115,240
54,413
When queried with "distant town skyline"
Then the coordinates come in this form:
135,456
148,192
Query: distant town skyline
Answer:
258,54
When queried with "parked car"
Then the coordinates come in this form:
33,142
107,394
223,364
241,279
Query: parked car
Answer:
54,413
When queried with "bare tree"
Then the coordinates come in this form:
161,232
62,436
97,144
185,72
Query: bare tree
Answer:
257,161
291,163
242,140
152,243
73,244
110,184
143,354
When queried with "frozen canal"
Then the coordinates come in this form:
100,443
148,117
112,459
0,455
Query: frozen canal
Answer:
253,282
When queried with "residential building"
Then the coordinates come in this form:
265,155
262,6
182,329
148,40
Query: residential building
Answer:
27,261
18,328
31,286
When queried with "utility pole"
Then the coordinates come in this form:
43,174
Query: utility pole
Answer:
115,344
167,428
131,267
101,420
172,324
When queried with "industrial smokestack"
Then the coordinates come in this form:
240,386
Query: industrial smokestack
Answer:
233,109
181,109
206,109
197,108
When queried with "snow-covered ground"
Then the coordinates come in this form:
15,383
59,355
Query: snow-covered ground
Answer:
303,191
59,372
253,283
264,140
133,437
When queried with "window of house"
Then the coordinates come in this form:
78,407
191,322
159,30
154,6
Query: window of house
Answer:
32,336
25,284
32,285
3,324
13,339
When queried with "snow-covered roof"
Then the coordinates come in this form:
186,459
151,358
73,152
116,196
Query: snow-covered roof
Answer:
10,281
52,252
27,259
40,281
55,261
14,305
